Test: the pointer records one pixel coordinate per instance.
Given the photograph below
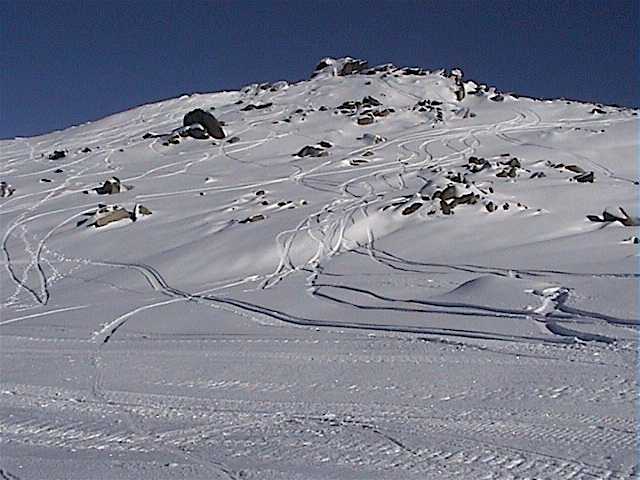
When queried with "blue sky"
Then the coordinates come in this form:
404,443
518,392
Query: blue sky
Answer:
68,62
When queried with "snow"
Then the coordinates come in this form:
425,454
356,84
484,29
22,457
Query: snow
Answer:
280,316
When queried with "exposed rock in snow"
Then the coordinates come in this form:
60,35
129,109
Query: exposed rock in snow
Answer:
339,67
208,122
6,190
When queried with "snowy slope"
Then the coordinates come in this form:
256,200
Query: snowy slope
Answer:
425,298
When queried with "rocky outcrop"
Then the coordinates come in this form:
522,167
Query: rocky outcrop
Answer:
340,67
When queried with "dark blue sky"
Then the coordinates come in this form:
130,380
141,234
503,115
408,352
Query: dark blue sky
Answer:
67,62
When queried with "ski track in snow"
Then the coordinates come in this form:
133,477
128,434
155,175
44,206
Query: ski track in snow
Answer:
336,337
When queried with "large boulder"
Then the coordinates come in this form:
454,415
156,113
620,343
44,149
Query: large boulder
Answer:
208,121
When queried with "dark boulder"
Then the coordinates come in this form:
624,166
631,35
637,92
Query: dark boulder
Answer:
365,120
111,185
586,177
253,218
208,121
623,217
258,106
574,168
57,154
6,190
310,151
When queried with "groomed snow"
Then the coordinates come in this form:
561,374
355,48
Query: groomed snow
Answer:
325,317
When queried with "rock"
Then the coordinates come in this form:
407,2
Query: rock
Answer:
340,67
586,177
507,172
198,133
514,162
491,207
256,106
112,216
57,155
311,151
371,101
253,218
383,112
411,208
139,211
147,135
111,185
357,161
496,98
233,140
45,180
372,139
457,177
597,111
574,168
6,190
58,170
413,71
208,122
478,164
85,150
365,120
466,199
368,153
352,66
449,193
538,175
446,209
324,144
622,217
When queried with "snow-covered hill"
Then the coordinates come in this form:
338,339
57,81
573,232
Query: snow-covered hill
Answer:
443,286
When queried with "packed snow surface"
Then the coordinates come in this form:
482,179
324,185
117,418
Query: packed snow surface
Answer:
442,286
